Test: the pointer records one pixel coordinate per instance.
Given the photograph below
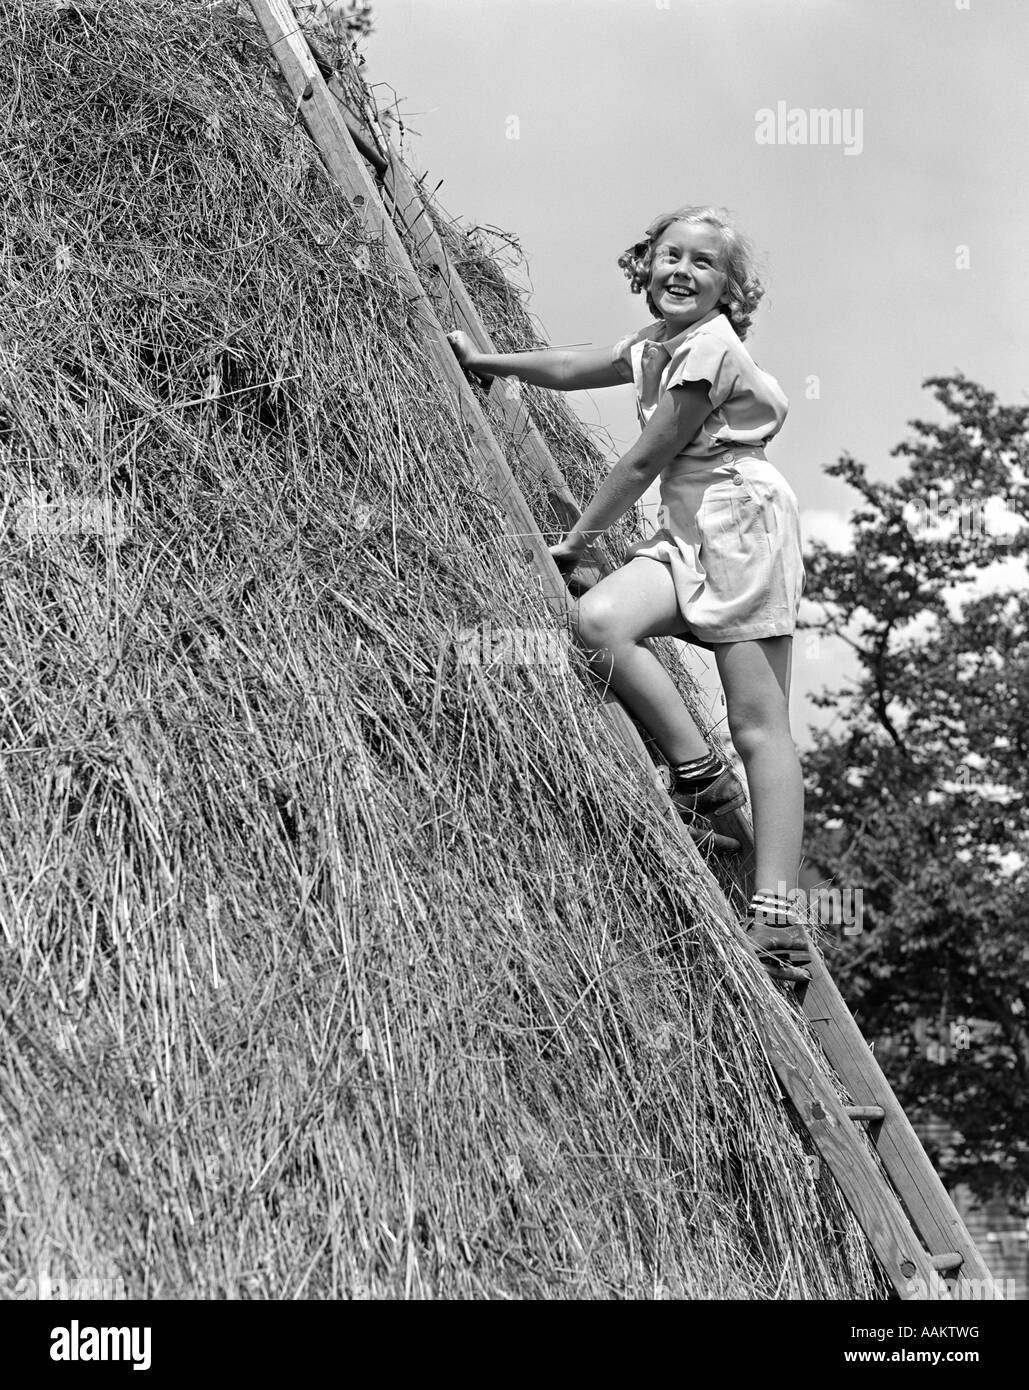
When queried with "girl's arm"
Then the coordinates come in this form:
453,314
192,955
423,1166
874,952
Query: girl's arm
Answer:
677,418
560,369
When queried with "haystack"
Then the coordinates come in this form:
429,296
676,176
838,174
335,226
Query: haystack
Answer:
334,962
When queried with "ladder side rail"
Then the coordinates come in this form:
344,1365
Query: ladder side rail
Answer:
406,198
517,419
324,120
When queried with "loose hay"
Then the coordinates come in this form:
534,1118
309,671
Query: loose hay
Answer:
333,963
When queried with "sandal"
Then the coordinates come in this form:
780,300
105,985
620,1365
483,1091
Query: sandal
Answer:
783,951
697,809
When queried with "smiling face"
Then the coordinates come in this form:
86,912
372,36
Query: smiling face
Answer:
686,276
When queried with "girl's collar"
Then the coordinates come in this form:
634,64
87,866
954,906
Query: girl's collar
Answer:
670,344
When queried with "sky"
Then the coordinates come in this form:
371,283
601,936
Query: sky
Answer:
894,254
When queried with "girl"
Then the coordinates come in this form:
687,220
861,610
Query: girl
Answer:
725,569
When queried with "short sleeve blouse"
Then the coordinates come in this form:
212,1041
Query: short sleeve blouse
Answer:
748,406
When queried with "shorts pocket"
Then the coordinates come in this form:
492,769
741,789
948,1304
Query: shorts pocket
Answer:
731,483
736,550
731,506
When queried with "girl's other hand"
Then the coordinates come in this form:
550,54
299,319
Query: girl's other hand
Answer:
566,555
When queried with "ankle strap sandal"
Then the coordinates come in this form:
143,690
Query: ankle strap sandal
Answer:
698,809
783,951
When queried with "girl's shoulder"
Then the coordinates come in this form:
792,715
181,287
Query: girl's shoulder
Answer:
721,328
714,352
719,334
648,333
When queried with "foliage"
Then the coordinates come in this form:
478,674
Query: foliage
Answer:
918,789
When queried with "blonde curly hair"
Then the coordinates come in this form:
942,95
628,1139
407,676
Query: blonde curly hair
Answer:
744,289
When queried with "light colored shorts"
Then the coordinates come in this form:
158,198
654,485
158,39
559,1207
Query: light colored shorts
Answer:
730,531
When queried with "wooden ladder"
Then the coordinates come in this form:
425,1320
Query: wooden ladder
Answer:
910,1221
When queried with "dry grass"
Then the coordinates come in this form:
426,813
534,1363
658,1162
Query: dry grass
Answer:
330,965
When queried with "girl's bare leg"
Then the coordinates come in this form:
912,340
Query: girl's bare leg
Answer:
756,679
632,603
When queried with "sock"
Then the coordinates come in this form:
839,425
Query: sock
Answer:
772,911
696,776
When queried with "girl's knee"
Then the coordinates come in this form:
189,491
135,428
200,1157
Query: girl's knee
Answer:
597,623
754,735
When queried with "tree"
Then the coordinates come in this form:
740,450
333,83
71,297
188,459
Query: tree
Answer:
917,795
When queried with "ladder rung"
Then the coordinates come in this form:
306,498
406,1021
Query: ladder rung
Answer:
941,1263
865,1112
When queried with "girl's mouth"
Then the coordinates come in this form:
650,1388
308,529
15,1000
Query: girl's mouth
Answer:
676,292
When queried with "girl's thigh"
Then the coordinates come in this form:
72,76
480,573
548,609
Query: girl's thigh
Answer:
633,602
755,676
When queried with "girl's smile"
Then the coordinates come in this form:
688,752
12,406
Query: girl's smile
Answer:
686,279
